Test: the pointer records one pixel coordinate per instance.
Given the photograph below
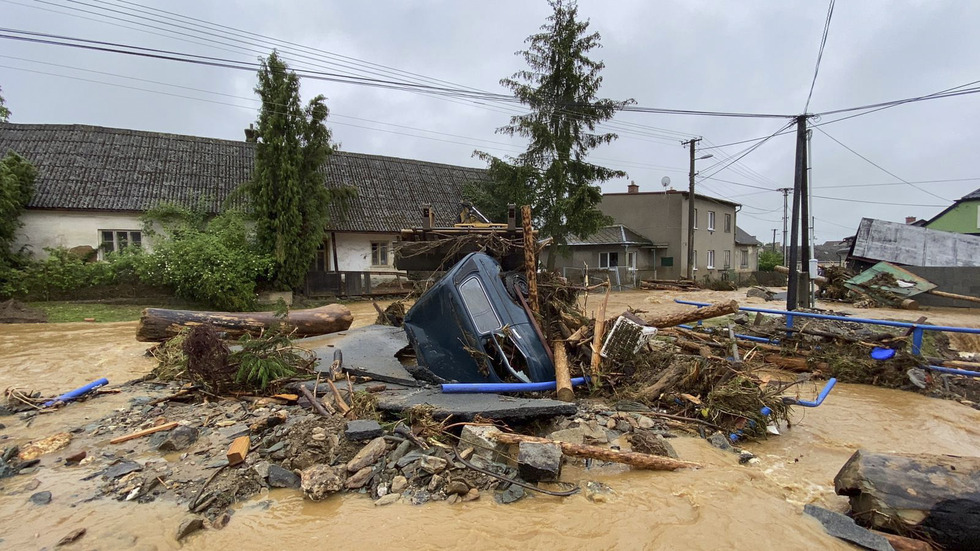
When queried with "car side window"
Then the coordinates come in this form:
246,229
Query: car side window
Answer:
478,305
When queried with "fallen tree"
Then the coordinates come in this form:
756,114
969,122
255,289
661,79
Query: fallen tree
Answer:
160,324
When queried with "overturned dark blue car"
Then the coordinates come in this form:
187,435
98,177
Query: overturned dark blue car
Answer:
471,327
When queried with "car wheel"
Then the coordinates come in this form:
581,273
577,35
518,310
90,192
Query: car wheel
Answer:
515,283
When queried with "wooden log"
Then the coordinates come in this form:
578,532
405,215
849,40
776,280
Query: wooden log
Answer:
563,377
341,403
530,259
672,377
934,495
600,328
313,401
796,365
944,294
238,450
160,324
712,311
901,543
633,459
144,432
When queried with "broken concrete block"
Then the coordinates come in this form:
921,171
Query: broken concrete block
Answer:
368,455
483,446
281,478
538,462
319,481
362,429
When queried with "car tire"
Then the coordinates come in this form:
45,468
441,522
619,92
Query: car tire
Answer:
515,283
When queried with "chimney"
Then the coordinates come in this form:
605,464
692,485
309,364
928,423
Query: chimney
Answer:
250,134
633,188
910,220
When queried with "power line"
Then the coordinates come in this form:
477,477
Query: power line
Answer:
947,180
823,42
853,200
751,149
879,167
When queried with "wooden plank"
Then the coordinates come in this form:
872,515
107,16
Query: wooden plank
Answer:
562,376
238,450
144,432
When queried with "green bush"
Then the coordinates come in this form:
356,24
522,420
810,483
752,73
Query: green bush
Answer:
769,259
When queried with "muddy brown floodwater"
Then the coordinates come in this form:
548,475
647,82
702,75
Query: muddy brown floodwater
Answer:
721,506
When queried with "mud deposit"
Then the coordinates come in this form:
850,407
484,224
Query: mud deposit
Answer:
724,505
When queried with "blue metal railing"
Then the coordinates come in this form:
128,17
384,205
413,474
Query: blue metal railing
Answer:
917,329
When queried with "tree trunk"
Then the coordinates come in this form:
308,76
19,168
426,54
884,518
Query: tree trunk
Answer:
680,368
160,324
563,377
633,459
713,311
937,496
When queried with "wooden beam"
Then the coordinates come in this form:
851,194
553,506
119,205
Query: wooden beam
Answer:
144,432
712,311
238,450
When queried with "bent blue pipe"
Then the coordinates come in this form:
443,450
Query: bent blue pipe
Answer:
80,391
752,338
475,388
820,398
953,371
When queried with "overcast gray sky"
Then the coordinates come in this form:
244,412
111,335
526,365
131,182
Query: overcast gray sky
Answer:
748,56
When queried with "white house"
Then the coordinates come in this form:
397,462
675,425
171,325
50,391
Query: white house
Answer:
94,183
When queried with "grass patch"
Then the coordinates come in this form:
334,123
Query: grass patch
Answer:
65,312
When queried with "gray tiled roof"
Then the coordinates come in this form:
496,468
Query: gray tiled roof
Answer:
975,194
108,169
743,238
617,234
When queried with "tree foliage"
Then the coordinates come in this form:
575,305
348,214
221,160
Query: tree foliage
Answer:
769,259
17,177
560,88
287,194
4,111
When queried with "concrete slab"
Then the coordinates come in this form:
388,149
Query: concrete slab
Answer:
463,407
368,352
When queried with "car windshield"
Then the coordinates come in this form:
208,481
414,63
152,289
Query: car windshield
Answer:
478,305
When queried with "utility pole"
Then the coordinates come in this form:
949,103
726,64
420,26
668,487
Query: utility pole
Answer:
774,239
785,191
690,212
799,192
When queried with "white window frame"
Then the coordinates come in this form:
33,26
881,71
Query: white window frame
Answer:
116,247
745,258
631,260
383,249
695,218
695,260
711,220
604,260
711,259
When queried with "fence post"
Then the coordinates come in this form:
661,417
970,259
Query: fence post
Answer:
917,334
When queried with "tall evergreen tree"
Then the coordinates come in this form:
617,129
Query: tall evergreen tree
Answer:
560,87
288,194
4,112
17,176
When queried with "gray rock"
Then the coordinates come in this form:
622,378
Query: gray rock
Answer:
583,434
399,452
457,487
281,478
744,457
122,468
398,484
421,497
261,468
433,465
510,495
598,492
189,526
178,439
720,441
368,455
41,498
360,478
645,422
759,292
408,459
538,462
843,527
320,481
435,483
387,499
362,429
483,446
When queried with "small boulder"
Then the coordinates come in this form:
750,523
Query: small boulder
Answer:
582,434
472,495
720,441
387,499
597,492
189,526
368,455
179,438
398,484
319,481
435,483
510,495
538,462
362,429
432,464
41,498
360,478
477,437
651,443
281,478
457,487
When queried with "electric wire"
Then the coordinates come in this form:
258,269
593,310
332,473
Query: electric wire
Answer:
823,42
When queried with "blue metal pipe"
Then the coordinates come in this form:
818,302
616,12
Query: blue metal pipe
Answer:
908,325
820,398
80,391
475,388
953,371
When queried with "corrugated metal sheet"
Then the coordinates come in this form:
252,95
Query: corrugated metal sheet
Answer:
879,240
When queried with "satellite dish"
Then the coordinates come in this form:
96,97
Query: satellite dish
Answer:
665,181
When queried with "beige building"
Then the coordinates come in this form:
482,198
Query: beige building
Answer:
662,218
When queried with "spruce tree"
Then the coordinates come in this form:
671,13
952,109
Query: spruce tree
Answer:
560,88
288,194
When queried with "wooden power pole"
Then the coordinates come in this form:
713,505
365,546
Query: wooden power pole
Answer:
690,212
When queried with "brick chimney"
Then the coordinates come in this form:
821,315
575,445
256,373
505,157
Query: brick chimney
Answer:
633,188
250,134
910,219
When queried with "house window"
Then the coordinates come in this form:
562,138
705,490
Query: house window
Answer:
745,258
379,253
320,261
114,241
728,223
695,218
711,260
608,260
728,260
631,261
711,220
667,261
